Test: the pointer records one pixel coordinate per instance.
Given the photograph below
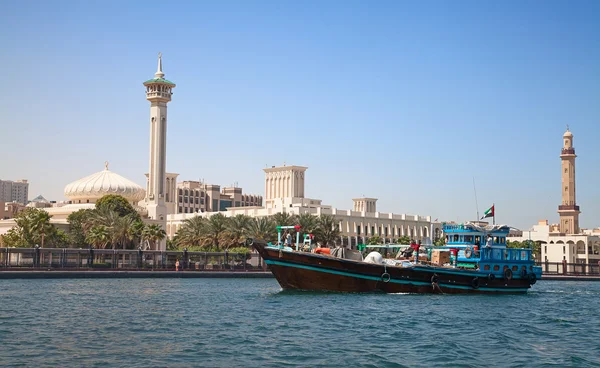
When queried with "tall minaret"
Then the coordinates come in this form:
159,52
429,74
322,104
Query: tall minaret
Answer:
568,210
158,92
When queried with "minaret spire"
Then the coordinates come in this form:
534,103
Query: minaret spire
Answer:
159,73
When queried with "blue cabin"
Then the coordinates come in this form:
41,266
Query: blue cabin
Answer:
483,247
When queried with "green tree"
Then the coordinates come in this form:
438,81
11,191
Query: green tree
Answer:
238,227
375,240
154,233
284,219
216,226
32,226
121,231
328,231
118,204
308,223
98,236
79,224
263,228
404,240
191,233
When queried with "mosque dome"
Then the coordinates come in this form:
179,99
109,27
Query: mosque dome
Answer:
95,186
568,133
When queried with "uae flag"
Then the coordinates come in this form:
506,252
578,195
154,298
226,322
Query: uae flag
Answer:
488,213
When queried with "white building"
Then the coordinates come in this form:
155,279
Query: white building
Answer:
14,191
284,192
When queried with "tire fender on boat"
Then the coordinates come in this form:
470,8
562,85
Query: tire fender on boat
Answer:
532,278
475,282
508,274
435,278
385,277
523,273
468,252
491,277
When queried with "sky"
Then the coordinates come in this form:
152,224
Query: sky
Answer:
410,102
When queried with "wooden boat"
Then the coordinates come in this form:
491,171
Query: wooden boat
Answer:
495,269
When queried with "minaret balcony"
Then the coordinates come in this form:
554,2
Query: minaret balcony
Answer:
568,207
153,94
568,151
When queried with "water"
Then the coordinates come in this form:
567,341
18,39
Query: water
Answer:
252,323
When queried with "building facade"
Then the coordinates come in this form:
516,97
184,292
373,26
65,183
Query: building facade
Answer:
14,191
284,193
198,197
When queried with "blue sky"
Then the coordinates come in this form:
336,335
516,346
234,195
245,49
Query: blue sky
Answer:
403,101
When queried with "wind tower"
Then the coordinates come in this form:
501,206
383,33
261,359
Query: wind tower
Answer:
158,92
568,210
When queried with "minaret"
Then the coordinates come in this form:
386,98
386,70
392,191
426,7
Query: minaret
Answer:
158,92
568,210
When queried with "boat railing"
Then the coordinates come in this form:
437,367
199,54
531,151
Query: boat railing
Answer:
505,254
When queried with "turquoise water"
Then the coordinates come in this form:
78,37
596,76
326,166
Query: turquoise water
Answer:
252,323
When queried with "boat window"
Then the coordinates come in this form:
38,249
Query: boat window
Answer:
501,240
486,267
515,268
477,239
496,240
496,267
469,239
455,238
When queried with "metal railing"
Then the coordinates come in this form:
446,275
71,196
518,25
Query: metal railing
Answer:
570,269
119,259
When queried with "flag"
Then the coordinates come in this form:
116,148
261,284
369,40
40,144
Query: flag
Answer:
489,213
435,220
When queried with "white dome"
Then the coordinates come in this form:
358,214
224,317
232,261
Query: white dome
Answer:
105,182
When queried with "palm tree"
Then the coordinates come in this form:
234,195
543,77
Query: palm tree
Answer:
308,223
329,230
216,226
121,230
191,233
154,233
40,225
284,219
262,228
98,236
238,227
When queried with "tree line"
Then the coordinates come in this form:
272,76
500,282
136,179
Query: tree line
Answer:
114,224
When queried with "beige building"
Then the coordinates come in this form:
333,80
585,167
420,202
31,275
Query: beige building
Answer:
285,190
195,197
14,191
565,241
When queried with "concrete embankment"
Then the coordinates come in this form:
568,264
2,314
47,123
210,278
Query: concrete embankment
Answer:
52,274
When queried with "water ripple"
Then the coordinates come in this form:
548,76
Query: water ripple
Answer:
252,323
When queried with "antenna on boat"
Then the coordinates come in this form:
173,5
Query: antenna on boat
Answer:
476,204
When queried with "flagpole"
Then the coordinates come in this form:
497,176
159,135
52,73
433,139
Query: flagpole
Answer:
494,216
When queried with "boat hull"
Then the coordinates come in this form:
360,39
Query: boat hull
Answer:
310,271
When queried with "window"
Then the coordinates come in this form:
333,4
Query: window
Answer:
186,192
566,189
469,239
358,230
180,210
566,170
563,249
545,249
186,210
372,230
